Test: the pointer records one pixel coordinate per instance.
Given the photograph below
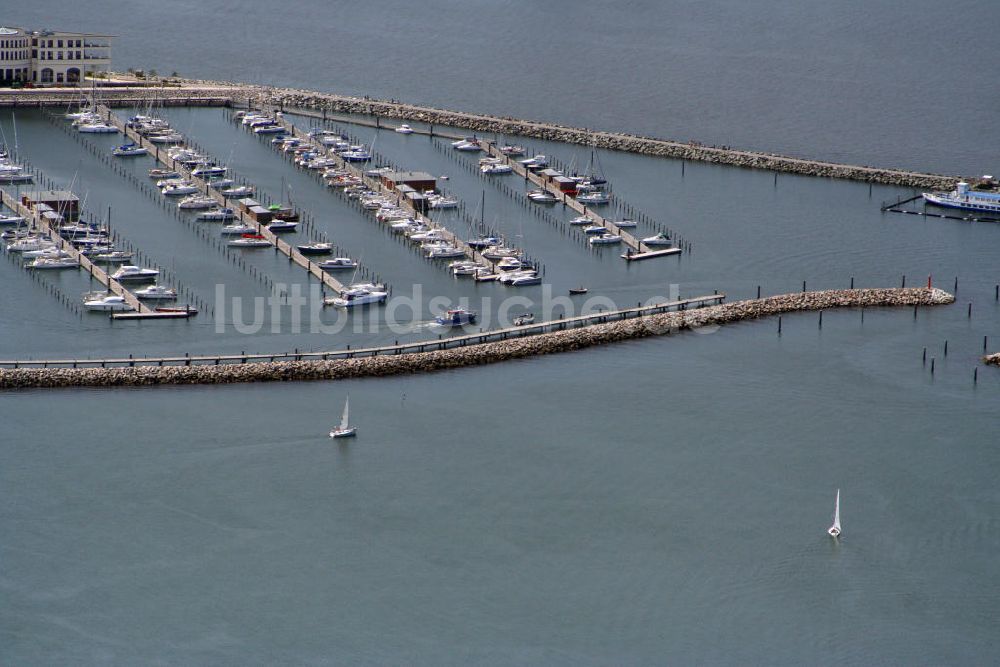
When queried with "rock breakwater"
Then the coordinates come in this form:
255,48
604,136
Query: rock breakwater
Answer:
473,355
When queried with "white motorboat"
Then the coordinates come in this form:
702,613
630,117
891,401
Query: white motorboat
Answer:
129,150
525,279
97,128
404,129
282,226
208,170
196,202
163,173
11,219
357,296
166,138
178,189
344,429
356,156
625,224
250,241
216,214
469,146
834,530
968,198
595,229
523,320
129,273
596,198
337,264
440,202
445,252
54,263
512,150
113,257
219,183
239,191
496,169
540,196
269,129
605,239
510,264
108,303
581,220
661,239
238,229
466,268
156,293
44,252
533,163
30,243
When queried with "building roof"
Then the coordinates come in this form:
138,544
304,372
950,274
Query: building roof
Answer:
49,195
408,176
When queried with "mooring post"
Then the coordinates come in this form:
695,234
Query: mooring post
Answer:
925,356
984,342
852,282
903,283
932,365
970,310
956,284
946,348
779,325
975,375
803,286
915,311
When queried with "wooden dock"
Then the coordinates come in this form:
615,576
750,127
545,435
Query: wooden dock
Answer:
101,275
274,239
415,347
377,186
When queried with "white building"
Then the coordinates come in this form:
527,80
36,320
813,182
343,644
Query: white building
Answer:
48,57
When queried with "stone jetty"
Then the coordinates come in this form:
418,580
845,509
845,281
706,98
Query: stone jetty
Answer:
473,355
175,91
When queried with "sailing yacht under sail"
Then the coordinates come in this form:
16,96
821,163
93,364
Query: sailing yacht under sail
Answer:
834,530
344,430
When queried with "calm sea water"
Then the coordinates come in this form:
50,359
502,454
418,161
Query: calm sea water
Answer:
659,501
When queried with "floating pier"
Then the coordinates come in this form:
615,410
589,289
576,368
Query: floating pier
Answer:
278,243
102,276
378,186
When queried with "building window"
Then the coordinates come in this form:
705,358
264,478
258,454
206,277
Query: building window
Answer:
59,77
79,55
59,56
73,75
59,45
47,75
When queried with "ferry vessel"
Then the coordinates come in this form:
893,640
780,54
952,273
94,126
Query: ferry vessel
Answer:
967,198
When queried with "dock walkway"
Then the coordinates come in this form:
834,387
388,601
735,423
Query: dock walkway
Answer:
385,350
276,241
377,186
86,264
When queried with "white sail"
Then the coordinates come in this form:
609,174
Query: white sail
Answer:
343,419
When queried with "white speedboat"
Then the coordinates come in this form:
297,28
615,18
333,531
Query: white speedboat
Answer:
440,201
344,429
660,239
472,146
625,224
337,264
512,150
163,173
216,214
404,129
523,320
533,163
605,239
581,220
445,252
196,202
466,268
156,293
357,296
510,264
595,229
834,530
220,183
129,273
109,303
97,128
129,150
250,241
41,263
166,138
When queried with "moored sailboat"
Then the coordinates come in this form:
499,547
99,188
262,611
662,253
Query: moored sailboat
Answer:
344,430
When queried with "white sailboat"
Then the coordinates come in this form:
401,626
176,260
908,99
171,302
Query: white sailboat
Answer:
344,430
834,530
